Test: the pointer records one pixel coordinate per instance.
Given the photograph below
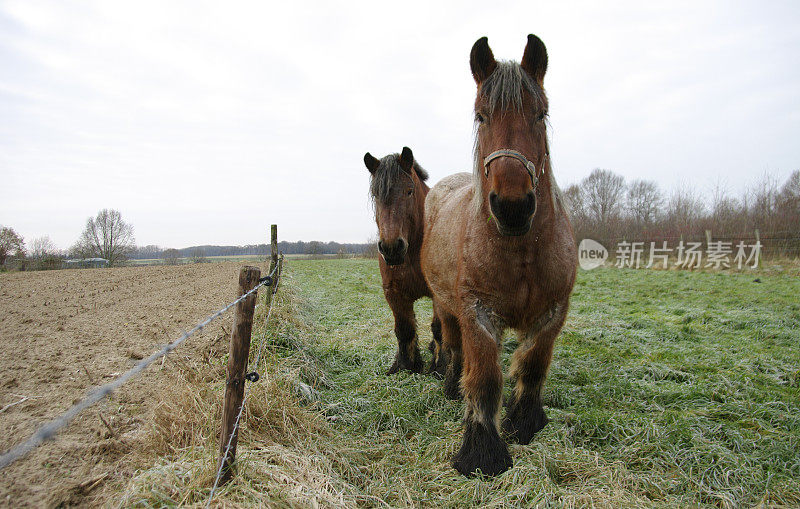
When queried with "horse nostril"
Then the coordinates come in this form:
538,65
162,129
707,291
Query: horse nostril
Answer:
401,245
381,247
530,200
494,203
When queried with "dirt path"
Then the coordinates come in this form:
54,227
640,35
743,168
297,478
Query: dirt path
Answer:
63,332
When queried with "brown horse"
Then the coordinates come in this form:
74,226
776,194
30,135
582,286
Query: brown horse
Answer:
398,189
499,253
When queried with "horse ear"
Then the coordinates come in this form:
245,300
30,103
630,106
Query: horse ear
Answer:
406,160
534,60
481,60
371,162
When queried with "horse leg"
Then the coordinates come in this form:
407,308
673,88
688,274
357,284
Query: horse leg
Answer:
439,357
482,384
525,416
451,356
405,328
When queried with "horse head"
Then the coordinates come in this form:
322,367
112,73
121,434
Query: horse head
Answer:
398,192
511,153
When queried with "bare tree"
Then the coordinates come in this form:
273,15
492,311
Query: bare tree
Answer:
106,236
791,188
603,192
764,202
41,247
726,212
44,254
684,209
644,202
574,197
789,201
11,244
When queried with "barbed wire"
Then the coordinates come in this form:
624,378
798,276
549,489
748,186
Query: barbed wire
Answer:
279,268
49,430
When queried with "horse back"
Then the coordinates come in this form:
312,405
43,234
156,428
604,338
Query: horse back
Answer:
445,208
447,188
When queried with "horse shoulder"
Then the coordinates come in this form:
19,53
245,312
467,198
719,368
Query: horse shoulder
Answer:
560,262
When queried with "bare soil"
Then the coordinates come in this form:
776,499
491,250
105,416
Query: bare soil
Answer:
64,332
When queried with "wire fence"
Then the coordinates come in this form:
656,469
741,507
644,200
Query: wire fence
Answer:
278,267
49,430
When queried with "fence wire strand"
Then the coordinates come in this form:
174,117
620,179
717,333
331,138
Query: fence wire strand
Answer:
279,269
49,430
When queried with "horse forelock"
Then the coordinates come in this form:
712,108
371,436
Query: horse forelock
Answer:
388,175
503,90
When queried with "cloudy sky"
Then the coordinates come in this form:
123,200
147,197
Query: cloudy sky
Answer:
206,122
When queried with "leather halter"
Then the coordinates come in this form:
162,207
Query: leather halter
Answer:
529,166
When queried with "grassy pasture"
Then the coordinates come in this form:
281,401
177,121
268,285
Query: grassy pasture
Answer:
667,388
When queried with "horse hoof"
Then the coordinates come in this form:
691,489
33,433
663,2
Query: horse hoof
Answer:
482,452
394,369
436,369
399,364
432,371
521,426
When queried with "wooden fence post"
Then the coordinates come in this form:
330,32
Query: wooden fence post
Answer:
237,364
273,260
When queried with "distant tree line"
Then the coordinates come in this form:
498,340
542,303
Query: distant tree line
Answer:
605,207
300,247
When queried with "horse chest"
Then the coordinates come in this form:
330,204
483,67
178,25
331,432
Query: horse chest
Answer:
517,298
404,281
513,294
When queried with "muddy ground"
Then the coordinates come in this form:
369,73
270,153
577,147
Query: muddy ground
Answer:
64,332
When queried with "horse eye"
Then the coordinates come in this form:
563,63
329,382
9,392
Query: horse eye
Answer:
410,192
541,116
479,118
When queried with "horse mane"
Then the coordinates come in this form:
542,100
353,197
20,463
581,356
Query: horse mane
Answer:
386,176
503,90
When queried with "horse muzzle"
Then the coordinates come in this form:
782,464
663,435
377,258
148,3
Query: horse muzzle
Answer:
393,253
513,217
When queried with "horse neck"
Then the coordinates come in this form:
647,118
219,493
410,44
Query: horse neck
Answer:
546,213
417,227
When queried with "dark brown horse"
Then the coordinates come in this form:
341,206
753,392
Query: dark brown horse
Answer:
499,253
398,189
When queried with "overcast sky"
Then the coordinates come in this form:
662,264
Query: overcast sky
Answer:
205,122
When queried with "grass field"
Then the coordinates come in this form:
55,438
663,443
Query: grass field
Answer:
667,388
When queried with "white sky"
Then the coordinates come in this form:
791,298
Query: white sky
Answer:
205,122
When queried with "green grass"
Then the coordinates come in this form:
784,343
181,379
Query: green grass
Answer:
667,388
